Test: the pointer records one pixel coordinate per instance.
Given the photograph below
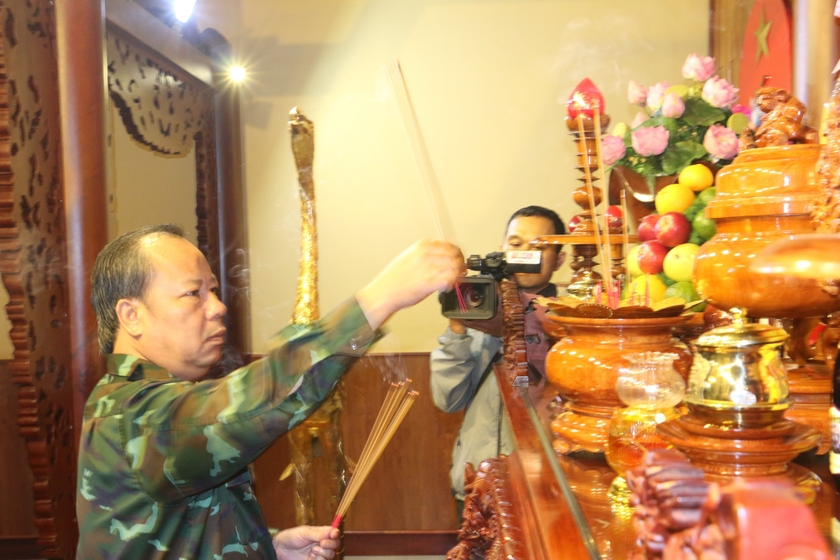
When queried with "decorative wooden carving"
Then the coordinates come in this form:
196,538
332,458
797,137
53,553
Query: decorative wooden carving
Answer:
490,528
171,113
33,262
513,339
159,108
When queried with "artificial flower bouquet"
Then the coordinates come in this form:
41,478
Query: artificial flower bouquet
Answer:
679,124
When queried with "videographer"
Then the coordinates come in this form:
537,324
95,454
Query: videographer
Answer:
461,368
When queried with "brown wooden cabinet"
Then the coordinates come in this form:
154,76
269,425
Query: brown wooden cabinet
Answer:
559,509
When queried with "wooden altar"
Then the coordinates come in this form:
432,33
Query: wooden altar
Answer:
536,518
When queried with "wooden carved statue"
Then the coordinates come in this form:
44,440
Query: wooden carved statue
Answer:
782,122
319,434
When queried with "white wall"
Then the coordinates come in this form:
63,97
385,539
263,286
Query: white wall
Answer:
489,80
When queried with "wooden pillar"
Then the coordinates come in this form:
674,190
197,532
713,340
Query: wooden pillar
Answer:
82,85
815,53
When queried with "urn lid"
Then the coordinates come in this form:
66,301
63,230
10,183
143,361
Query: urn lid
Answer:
740,333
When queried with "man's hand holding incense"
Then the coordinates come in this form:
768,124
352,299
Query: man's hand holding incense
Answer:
306,542
422,269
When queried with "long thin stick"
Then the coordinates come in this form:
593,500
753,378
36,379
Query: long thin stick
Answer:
589,190
604,186
418,149
411,127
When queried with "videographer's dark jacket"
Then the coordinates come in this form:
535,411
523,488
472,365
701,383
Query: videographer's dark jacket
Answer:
458,383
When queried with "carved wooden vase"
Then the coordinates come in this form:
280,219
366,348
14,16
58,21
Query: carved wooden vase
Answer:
764,196
584,366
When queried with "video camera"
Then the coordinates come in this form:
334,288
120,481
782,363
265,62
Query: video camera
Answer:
478,293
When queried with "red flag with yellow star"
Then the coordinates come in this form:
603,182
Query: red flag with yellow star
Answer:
767,49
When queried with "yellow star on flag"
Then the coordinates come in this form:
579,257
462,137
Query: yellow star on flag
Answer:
761,38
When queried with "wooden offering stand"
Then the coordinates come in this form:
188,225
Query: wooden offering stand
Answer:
586,122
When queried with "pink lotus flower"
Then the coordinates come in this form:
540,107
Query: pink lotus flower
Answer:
719,93
650,140
698,68
636,93
673,106
612,149
655,95
721,142
638,120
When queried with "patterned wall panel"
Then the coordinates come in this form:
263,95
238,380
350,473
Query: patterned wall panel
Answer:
165,109
32,261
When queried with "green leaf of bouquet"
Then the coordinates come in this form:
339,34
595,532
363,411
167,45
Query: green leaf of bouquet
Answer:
670,124
680,155
698,112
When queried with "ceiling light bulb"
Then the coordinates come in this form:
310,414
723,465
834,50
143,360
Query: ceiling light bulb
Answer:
183,9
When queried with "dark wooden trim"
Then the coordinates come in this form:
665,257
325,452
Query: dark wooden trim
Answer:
20,548
399,543
232,217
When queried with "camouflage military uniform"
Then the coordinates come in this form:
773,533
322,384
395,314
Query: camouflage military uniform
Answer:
163,462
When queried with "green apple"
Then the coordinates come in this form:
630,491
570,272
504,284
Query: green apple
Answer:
686,291
633,262
706,195
679,262
704,226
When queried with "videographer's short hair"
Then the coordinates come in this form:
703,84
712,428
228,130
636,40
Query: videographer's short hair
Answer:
540,212
122,270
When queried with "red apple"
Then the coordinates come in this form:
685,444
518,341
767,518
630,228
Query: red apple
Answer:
645,231
651,255
672,229
614,217
573,224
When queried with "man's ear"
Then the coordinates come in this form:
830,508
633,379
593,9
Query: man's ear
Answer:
128,314
561,258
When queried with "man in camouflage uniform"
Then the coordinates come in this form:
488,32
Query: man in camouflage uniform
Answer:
163,461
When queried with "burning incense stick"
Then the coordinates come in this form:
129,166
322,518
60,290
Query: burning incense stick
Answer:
394,409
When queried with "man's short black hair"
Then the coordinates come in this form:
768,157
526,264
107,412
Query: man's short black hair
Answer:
540,212
122,270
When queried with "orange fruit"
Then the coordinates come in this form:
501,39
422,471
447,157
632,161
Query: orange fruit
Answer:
696,177
673,198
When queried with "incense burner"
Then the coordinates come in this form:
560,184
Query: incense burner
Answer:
584,365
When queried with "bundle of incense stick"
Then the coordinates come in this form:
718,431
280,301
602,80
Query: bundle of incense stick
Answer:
397,402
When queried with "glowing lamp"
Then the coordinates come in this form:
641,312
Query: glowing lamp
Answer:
236,73
583,100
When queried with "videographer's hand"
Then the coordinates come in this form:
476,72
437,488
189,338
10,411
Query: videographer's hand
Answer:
422,269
